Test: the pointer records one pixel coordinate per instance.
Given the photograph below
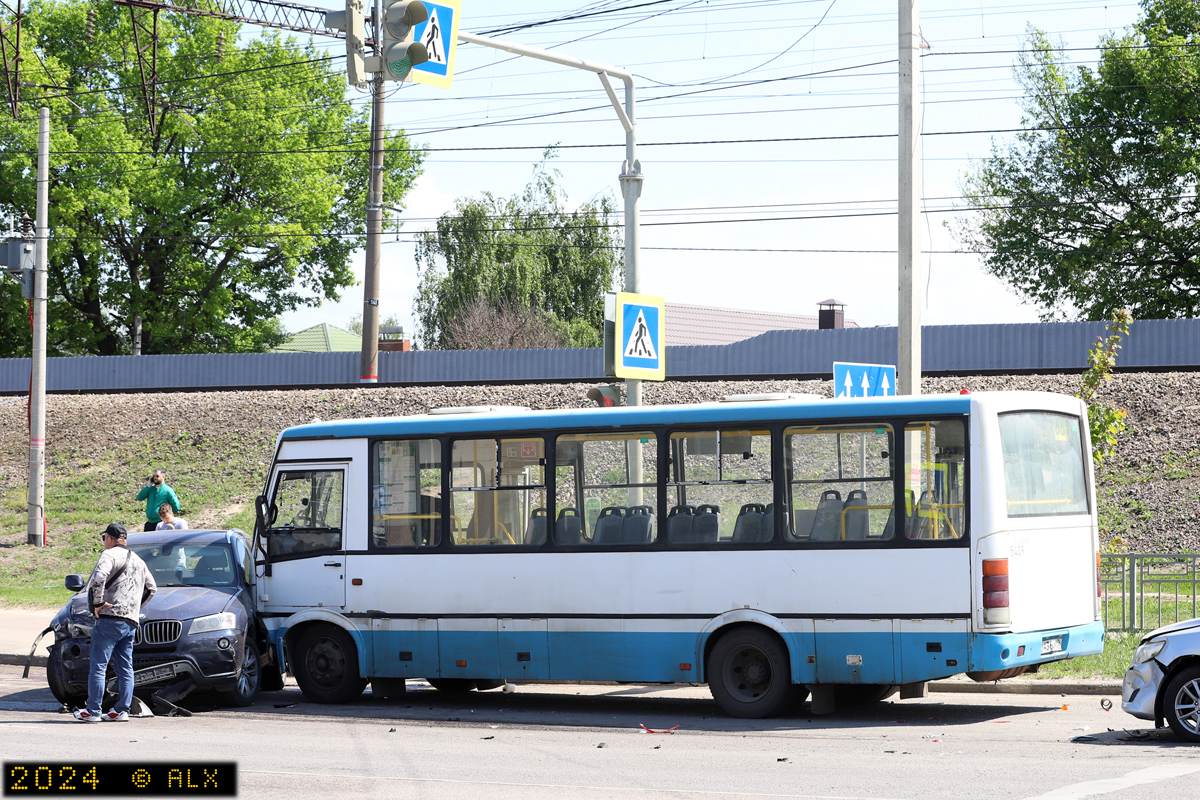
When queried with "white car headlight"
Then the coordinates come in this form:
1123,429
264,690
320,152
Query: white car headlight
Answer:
225,621
1148,651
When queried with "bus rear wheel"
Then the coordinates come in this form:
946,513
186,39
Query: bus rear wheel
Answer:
327,665
749,674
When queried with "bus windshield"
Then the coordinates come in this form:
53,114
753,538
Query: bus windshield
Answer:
1043,464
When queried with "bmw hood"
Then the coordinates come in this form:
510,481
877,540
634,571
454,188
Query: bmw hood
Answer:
186,602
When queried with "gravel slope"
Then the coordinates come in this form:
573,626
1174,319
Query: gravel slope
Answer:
1150,495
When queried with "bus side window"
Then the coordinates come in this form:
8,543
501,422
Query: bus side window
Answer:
840,483
720,490
308,512
935,476
607,488
496,488
406,508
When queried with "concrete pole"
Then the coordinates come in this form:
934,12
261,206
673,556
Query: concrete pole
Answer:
369,367
35,533
908,364
631,189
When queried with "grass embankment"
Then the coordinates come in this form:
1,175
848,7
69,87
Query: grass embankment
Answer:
216,478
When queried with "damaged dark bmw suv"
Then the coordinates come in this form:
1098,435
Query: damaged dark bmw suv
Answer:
199,631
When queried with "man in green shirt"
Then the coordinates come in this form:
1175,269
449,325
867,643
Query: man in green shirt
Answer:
155,494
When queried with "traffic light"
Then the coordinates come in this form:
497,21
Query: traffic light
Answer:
352,22
400,52
605,396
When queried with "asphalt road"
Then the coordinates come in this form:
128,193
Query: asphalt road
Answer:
572,741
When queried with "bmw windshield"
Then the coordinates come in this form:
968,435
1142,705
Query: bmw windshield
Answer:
189,564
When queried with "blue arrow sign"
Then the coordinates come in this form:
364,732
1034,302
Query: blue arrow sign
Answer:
863,380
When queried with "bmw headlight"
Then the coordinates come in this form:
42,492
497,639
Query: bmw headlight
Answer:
225,621
1148,651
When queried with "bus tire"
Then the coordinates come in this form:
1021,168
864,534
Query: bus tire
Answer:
327,665
862,694
749,674
1181,704
452,685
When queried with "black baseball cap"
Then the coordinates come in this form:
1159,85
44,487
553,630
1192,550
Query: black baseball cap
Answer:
116,530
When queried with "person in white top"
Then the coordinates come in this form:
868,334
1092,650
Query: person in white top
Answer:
170,522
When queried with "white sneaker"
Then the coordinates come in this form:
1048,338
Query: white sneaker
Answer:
113,716
83,715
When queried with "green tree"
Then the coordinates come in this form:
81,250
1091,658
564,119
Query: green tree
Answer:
245,202
525,252
1106,423
1095,207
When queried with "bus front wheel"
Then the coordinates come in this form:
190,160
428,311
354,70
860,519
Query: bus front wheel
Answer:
748,674
327,665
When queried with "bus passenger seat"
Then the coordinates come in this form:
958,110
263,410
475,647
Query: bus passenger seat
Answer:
679,523
609,526
639,525
706,527
536,532
857,516
827,526
569,528
749,524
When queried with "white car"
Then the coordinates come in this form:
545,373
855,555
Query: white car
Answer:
1164,680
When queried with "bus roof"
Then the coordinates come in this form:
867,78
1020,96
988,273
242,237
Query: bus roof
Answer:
515,419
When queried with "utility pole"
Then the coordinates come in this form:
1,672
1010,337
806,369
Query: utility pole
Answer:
369,368
35,533
908,364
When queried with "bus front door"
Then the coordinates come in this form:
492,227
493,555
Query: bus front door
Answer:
306,559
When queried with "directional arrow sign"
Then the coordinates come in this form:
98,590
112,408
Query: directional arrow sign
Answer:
864,380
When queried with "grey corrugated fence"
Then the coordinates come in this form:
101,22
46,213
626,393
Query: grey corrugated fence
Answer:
947,349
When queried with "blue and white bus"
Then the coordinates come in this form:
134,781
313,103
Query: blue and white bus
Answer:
772,546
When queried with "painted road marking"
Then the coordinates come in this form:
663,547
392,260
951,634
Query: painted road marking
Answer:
1135,778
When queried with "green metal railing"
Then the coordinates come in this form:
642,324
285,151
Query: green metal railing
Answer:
1143,591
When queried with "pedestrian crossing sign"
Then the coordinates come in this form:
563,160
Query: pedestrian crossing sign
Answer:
641,337
439,34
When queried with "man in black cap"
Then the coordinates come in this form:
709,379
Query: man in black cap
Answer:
115,591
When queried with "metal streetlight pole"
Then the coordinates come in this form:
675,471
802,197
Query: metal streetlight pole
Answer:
631,171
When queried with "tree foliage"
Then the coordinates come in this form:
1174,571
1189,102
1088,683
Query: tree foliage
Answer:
483,325
1095,207
523,252
246,201
1106,423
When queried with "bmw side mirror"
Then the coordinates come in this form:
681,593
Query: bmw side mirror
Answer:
75,582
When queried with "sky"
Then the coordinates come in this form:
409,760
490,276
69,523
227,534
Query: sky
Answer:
728,218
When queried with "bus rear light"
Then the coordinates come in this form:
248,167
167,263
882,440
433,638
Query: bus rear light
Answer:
995,599
995,591
995,566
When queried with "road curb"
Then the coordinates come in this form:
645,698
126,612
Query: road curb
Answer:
20,661
1025,687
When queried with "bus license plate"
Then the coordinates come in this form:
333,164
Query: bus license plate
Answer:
1051,644
153,674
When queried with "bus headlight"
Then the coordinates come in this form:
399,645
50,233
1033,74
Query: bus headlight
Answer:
225,621
1148,651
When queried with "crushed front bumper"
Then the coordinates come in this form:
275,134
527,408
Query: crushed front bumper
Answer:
1140,688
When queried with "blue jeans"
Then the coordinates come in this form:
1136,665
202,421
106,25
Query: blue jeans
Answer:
112,639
